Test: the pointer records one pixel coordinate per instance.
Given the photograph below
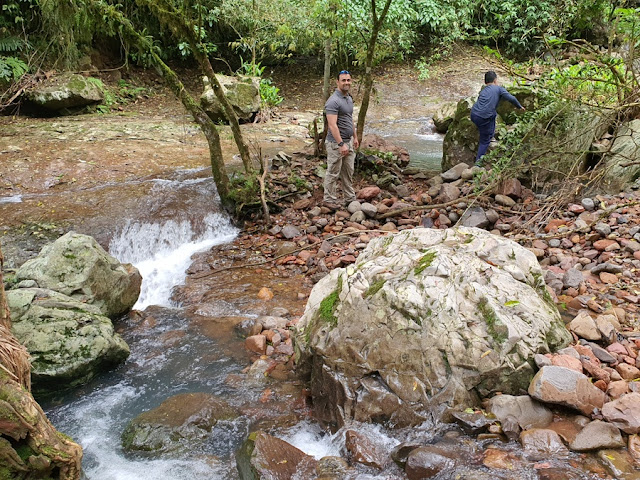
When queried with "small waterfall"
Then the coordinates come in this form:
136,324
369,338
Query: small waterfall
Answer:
178,223
162,252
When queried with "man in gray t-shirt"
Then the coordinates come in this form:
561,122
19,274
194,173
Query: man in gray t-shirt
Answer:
342,142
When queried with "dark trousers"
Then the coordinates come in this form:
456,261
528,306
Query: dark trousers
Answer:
486,129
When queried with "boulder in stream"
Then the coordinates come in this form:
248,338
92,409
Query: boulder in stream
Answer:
266,457
177,424
424,320
70,342
77,266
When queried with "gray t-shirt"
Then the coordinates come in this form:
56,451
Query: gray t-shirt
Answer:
341,105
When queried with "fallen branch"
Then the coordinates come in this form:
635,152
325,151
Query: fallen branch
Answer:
413,208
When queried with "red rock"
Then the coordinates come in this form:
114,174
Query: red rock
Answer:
576,208
608,278
368,193
636,255
601,384
627,372
256,343
305,255
604,244
511,187
265,293
347,259
554,224
617,389
617,348
595,306
567,361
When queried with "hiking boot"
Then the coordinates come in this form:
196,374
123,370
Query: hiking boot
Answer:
331,205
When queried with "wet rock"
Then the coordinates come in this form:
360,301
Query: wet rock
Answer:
270,322
401,452
496,458
364,450
566,387
332,468
540,443
77,266
428,461
527,412
619,464
624,413
179,423
472,423
70,342
265,293
597,435
263,456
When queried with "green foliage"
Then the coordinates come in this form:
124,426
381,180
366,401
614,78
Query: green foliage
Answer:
374,288
424,64
244,188
11,69
269,93
328,306
300,183
122,94
495,327
519,25
425,261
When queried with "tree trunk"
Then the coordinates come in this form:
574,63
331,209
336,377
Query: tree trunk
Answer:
218,169
368,76
22,421
167,15
326,91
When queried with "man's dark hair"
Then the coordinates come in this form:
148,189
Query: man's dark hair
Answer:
490,77
343,72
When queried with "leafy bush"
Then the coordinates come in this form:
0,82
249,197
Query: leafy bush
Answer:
11,69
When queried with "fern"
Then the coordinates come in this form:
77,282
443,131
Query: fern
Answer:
12,69
11,44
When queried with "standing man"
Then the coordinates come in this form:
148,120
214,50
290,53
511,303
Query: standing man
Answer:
483,112
342,142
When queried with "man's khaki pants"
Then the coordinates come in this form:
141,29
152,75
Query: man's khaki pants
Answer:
339,167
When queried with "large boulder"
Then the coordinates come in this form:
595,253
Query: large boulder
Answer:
621,165
66,92
177,424
70,342
426,319
461,141
444,117
460,144
242,92
77,266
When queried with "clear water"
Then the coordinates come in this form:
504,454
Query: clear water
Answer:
417,135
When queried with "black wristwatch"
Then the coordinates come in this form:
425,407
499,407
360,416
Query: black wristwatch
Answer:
340,144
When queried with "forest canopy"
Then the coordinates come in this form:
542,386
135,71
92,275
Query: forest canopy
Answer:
58,33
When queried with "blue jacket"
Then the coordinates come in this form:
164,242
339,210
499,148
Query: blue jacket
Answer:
490,95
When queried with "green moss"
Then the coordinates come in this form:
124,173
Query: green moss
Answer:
387,241
329,304
424,262
495,328
24,452
375,288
